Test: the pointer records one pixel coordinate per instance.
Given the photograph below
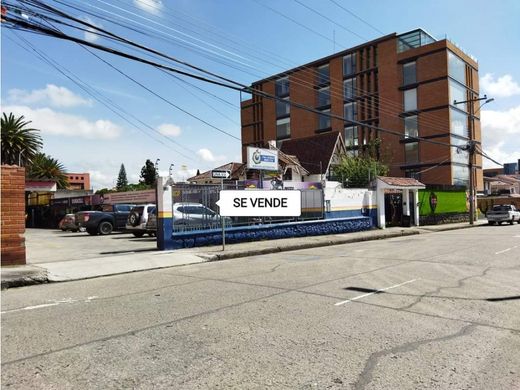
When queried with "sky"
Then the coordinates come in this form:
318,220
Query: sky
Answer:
149,114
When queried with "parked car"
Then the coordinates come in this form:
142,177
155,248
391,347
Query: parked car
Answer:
503,213
68,222
137,219
196,215
189,215
112,217
151,224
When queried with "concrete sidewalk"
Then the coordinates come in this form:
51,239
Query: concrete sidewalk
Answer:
61,271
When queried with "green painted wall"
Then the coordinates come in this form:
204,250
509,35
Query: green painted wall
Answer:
447,202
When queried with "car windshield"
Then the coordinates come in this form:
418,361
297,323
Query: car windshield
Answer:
501,208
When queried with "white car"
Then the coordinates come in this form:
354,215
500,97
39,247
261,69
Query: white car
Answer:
503,213
137,219
196,216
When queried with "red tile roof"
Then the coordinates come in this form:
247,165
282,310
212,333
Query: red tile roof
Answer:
311,151
401,181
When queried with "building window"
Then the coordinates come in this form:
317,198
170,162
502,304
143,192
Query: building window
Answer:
458,155
413,173
458,94
349,86
282,86
410,100
324,96
351,136
350,111
349,64
411,152
460,175
323,74
411,126
456,68
458,123
324,120
409,73
283,128
283,108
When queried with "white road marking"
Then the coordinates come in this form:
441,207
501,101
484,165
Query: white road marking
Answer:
375,292
54,303
505,250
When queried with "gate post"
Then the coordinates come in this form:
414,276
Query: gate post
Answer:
164,213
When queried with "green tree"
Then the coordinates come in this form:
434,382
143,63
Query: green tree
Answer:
103,191
148,173
137,187
47,168
355,171
19,143
122,181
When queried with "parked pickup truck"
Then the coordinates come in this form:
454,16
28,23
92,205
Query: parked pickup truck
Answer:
112,217
503,213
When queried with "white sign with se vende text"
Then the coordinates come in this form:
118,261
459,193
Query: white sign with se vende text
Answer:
264,159
261,203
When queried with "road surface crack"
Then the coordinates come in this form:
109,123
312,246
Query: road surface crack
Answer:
366,375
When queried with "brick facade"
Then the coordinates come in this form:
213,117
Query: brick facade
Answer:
12,215
379,102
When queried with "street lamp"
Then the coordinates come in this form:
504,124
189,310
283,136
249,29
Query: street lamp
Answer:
470,148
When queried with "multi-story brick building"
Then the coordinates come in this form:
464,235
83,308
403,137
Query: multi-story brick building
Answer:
78,181
406,83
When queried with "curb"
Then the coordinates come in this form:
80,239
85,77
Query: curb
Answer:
24,281
292,247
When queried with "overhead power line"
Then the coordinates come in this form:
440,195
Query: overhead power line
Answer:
357,17
240,87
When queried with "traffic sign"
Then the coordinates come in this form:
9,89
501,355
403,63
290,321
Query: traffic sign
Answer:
220,174
260,203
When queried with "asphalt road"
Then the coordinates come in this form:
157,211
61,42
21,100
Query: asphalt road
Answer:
433,311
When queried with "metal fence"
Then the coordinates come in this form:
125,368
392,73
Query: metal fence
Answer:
194,208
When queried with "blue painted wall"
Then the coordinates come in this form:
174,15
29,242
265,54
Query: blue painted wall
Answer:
271,232
372,213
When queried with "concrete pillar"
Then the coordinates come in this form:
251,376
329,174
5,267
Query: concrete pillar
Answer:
415,203
164,213
381,223
406,202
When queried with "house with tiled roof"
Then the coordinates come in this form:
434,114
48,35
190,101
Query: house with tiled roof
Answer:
318,154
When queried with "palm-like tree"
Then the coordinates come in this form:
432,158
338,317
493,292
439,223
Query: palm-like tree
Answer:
19,142
47,168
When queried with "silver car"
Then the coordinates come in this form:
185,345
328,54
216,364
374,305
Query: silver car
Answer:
190,216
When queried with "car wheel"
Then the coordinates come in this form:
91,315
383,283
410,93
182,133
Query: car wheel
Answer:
138,234
92,232
105,228
133,218
499,222
63,230
491,222
151,234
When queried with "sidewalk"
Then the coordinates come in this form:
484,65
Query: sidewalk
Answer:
62,271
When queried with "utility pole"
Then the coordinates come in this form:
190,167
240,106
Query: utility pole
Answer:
471,151
470,147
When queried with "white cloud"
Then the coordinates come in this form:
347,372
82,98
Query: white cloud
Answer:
501,135
169,129
207,155
50,95
90,35
504,86
100,179
151,6
56,123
